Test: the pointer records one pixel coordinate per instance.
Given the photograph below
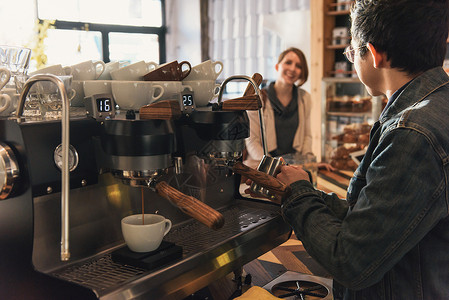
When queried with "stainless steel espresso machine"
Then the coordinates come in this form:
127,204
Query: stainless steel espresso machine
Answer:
65,185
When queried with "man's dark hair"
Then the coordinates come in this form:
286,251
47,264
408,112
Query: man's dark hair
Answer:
412,33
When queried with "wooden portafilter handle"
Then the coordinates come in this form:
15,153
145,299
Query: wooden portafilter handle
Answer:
161,110
250,102
191,206
269,182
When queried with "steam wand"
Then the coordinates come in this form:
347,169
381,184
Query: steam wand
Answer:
65,252
257,91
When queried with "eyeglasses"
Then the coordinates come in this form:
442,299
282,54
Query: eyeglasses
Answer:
350,53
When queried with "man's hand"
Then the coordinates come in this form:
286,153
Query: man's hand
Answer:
290,174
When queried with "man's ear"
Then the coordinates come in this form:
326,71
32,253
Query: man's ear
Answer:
276,66
379,58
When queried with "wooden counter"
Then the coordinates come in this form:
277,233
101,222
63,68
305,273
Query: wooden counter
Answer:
336,182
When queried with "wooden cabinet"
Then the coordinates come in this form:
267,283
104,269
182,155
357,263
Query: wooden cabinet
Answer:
343,98
348,114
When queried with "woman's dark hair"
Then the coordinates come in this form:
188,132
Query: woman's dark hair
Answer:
412,33
302,59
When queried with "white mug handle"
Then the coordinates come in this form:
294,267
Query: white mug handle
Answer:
187,87
72,94
216,89
6,74
161,89
68,70
7,102
215,68
151,66
99,68
167,226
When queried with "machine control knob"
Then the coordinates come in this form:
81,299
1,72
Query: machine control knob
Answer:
9,170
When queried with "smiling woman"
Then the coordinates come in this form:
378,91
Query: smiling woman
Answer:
286,111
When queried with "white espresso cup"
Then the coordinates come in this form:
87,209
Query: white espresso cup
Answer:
92,87
5,75
133,72
108,68
204,90
172,89
88,70
144,237
9,99
78,100
57,70
207,70
135,94
8,103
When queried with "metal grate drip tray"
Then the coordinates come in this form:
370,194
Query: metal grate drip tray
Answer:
104,276
100,274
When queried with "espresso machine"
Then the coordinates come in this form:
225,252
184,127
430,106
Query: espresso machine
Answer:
66,184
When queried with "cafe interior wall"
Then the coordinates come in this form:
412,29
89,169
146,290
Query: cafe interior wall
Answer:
183,39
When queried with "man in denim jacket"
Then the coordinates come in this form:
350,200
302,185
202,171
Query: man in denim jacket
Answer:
390,239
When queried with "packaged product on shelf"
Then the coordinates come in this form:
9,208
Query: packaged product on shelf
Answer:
341,68
355,137
340,36
349,104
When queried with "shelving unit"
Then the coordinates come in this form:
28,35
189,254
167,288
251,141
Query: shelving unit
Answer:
344,99
346,104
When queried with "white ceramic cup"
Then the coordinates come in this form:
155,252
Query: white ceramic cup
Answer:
92,87
145,237
88,70
9,99
108,68
5,75
135,94
207,70
48,95
48,87
57,70
78,100
5,103
172,89
204,91
133,72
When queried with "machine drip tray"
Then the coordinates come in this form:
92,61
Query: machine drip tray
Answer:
166,253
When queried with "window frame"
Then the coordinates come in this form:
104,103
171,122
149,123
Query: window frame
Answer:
105,29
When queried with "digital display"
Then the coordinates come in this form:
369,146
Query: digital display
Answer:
187,100
104,104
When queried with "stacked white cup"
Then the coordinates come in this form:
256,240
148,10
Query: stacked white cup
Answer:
202,79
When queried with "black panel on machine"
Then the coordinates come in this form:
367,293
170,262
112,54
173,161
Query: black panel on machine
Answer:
41,139
220,125
137,137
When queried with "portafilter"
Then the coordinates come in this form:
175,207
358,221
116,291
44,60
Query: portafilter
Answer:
140,152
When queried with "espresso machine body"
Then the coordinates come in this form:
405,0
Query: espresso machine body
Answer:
113,163
32,145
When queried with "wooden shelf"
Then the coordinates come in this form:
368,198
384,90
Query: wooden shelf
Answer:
336,47
333,73
341,79
332,9
349,114
338,12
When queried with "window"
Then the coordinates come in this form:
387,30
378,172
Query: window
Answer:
120,30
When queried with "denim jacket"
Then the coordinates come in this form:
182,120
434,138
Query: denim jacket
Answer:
390,238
